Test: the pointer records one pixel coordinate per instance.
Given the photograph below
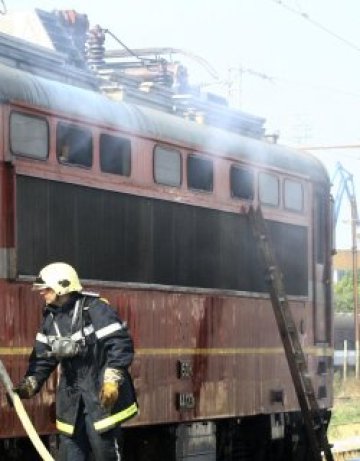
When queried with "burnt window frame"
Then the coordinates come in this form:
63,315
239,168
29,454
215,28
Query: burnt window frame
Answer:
121,154
275,176
287,208
233,168
74,127
200,158
35,117
173,151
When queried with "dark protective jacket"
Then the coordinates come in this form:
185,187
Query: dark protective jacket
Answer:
104,343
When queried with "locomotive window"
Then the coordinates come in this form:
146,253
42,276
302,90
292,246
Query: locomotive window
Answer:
241,182
268,189
29,136
74,145
200,173
167,166
115,155
293,195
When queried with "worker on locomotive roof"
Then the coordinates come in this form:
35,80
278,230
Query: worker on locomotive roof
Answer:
93,346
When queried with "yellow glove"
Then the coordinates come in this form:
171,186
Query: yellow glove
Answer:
109,394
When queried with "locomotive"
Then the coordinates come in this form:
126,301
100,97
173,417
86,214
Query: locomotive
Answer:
151,210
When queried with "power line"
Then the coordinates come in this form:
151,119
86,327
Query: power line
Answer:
280,80
331,148
335,146
315,86
317,24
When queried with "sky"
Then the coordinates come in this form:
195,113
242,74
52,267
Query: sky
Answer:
294,62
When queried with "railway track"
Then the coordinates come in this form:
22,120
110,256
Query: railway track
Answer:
347,456
347,449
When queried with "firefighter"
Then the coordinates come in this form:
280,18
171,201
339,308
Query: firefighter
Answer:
82,333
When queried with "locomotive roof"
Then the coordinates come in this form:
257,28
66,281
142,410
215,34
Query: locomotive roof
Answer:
22,87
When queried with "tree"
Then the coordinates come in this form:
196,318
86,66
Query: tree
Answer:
344,293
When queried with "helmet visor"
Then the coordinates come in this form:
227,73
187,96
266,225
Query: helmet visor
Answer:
39,284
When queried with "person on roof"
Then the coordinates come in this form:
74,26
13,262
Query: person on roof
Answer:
82,333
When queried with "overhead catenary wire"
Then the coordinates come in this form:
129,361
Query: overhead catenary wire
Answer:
334,149
335,146
317,24
277,81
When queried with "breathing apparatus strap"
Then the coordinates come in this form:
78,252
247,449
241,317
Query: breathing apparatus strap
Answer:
77,314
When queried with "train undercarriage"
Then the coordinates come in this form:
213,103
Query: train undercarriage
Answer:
275,437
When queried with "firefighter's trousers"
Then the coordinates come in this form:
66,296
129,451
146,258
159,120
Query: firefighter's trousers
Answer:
104,447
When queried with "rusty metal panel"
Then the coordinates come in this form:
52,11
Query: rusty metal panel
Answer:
231,345
21,314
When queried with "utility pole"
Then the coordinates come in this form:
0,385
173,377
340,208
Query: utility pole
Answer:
354,223
346,187
235,86
236,82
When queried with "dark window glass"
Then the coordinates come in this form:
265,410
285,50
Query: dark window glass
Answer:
293,195
268,189
241,183
115,155
146,240
29,135
167,166
74,145
200,173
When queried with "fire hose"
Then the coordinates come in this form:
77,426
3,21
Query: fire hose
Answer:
23,416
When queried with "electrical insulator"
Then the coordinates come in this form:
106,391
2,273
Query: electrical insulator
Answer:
95,50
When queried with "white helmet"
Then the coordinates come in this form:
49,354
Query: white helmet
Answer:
60,277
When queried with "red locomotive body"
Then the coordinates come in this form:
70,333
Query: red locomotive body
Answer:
151,210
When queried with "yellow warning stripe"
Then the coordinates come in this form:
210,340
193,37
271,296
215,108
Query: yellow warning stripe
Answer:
210,351
318,351
65,428
15,350
116,418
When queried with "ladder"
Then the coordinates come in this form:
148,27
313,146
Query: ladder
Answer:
310,410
